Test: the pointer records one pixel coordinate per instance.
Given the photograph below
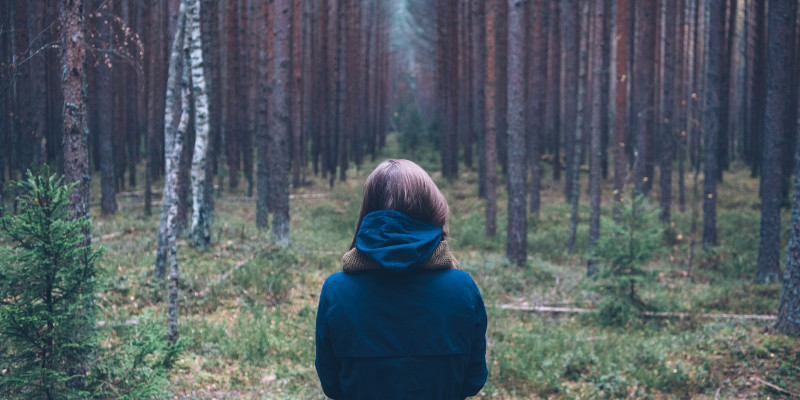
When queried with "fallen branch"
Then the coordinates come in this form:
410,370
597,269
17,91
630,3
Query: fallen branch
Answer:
544,309
112,235
777,388
681,315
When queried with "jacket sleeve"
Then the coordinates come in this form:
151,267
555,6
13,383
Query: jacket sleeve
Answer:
477,373
326,362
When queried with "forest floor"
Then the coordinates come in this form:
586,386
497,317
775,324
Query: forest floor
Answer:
248,307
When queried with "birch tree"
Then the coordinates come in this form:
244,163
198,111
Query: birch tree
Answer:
173,146
200,233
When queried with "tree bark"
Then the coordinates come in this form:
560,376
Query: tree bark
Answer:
262,130
173,145
172,163
643,102
570,24
516,243
666,122
781,16
491,115
199,228
537,75
595,154
621,104
789,308
480,113
104,110
576,138
209,30
280,121
712,118
553,91
76,134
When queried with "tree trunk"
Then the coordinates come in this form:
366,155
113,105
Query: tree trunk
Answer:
501,96
781,16
516,243
280,121
449,95
789,308
262,130
152,67
76,153
209,30
666,122
712,118
595,154
643,92
38,84
570,26
479,63
576,138
621,104
199,228
758,90
104,110
537,75
553,91
491,115
172,163
173,146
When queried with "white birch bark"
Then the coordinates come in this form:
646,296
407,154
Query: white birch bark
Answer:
200,231
171,142
172,228
172,189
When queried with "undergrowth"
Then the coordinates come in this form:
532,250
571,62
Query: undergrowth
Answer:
248,308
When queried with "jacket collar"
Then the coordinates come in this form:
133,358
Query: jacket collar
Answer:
356,261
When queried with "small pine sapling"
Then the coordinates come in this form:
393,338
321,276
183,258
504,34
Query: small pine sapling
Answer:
623,250
47,282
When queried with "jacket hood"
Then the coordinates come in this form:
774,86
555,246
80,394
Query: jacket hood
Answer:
396,241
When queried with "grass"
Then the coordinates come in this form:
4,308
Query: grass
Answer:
248,307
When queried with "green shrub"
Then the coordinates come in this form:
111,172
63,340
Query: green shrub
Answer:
47,285
51,346
136,362
623,250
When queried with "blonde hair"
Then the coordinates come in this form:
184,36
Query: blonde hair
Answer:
403,186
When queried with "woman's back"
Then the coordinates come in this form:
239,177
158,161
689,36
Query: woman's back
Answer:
400,321
402,335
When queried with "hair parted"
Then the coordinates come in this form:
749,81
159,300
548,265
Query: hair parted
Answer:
403,186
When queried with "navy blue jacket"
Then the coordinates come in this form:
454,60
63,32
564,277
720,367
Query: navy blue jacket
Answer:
414,334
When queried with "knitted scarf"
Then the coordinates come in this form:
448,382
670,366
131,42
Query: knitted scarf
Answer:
356,261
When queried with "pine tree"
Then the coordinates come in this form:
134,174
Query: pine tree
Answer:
47,287
629,242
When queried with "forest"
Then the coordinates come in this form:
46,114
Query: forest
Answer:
179,177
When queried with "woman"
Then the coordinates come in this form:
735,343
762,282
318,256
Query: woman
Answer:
401,321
